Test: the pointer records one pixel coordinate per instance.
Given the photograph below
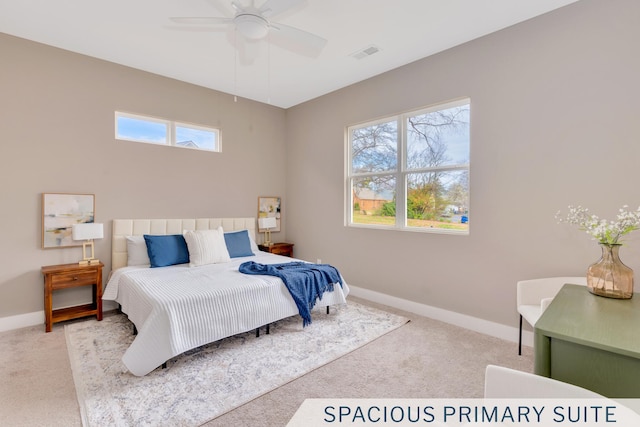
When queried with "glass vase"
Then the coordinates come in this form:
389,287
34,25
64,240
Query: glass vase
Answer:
609,277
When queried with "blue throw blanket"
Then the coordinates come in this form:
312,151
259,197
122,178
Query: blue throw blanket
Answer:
306,282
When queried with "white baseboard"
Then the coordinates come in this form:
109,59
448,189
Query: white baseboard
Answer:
37,318
22,321
109,305
497,330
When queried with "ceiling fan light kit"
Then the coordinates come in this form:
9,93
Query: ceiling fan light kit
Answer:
251,26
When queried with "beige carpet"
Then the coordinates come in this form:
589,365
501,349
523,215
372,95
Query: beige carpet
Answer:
206,382
423,359
36,386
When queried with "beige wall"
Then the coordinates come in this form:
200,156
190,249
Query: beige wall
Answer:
57,132
555,121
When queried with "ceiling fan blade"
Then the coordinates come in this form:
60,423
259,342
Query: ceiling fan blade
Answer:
203,20
274,7
237,6
223,6
300,37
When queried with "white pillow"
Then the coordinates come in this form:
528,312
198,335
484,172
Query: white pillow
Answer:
254,246
137,251
206,247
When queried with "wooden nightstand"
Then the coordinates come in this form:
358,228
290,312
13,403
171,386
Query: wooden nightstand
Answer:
285,249
66,276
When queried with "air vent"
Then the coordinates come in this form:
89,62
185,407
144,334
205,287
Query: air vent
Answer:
367,51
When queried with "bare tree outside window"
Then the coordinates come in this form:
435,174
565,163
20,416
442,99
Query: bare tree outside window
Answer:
412,171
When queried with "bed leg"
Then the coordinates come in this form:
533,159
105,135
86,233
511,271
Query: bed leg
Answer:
164,365
257,332
268,324
327,309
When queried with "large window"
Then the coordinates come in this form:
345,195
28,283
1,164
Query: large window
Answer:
411,171
131,127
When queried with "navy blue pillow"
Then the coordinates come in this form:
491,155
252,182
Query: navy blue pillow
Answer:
166,250
238,244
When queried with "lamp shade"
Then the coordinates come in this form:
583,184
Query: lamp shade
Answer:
87,231
267,222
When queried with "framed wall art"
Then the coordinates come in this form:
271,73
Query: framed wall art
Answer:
59,212
269,207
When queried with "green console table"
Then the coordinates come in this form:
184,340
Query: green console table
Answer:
590,341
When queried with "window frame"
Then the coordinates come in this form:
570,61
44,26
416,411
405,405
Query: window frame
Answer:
170,131
401,171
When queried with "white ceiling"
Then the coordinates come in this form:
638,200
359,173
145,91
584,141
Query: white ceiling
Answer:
139,34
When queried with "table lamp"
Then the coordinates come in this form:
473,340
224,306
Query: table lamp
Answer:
267,224
87,231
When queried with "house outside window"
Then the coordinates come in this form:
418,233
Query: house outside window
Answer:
411,171
153,130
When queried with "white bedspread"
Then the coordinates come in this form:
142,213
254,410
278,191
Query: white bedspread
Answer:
178,308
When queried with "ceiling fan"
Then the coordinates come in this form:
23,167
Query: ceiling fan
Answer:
254,23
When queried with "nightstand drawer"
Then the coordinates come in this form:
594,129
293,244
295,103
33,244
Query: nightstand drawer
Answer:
73,279
281,250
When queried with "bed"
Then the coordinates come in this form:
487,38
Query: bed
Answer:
180,307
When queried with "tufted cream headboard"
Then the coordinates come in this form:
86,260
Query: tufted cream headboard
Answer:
137,227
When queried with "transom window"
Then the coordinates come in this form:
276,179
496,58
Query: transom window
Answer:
411,171
152,130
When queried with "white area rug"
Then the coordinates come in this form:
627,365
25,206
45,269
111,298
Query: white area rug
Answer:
208,381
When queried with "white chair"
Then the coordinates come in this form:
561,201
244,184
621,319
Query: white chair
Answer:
534,296
501,383
505,383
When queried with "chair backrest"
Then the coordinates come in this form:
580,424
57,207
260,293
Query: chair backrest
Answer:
502,383
533,291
